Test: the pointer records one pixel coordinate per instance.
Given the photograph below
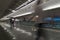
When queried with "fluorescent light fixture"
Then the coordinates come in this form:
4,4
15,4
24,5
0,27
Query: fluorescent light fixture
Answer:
13,11
4,18
37,16
14,37
52,7
16,19
29,0
23,14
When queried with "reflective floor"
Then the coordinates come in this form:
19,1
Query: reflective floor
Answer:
19,32
23,32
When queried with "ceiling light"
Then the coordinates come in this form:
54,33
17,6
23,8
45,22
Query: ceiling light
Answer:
29,0
23,14
52,7
37,16
13,11
4,18
16,19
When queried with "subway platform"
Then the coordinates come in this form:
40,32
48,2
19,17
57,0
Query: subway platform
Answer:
22,32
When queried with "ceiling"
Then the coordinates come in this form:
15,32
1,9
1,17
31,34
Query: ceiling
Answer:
51,4
28,9
5,5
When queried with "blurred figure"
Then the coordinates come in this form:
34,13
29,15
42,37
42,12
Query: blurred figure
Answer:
24,19
11,22
39,32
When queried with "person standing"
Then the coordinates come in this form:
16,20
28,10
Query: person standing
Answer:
11,22
39,32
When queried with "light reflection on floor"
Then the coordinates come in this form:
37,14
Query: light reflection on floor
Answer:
23,31
18,29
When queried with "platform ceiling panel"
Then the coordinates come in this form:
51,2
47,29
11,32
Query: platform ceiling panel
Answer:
51,4
4,4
